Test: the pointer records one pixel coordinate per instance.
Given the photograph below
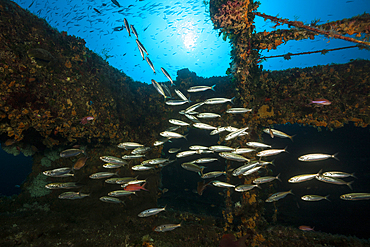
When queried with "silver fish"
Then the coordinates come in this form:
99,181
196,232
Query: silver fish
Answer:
159,88
166,227
339,174
192,118
279,195
100,175
258,145
218,101
141,46
270,152
267,179
166,90
242,169
72,195
238,110
59,172
181,95
167,75
142,168
178,122
67,185
204,126
243,150
314,198
176,102
134,31
133,156
234,157
218,148
213,174
150,64
198,147
118,193
235,134
317,157
113,160
277,133
355,196
218,131
246,187
333,180
303,178
130,145
174,150
205,160
70,152
222,184
160,142
112,166
252,170
186,153
151,211
155,161
200,88
127,26
193,167
110,199
193,107
208,115
141,51
141,150
170,134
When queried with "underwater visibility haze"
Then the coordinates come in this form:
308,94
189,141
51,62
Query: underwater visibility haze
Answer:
185,123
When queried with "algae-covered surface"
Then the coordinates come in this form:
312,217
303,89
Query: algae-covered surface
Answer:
55,94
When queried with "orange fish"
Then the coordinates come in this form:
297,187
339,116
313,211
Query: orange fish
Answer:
80,163
202,186
10,142
135,187
306,228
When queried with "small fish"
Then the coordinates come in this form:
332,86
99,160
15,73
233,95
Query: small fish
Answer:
205,160
222,184
258,145
116,3
236,133
141,150
167,75
320,102
181,95
151,211
262,180
234,157
208,115
67,185
279,195
270,152
218,101
80,163
176,102
252,170
193,167
218,148
100,175
110,199
213,174
238,110
141,46
134,31
306,228
242,169
246,187
355,196
243,150
201,186
129,145
59,172
97,11
112,166
150,64
155,161
119,28
178,122
271,133
204,126
135,187
71,152
170,134
277,133
72,195
113,160
174,150
119,193
317,157
333,180
314,198
133,156
198,147
186,153
303,178
339,174
159,88
193,107
200,88
166,227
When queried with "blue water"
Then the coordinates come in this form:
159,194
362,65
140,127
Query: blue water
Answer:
179,34
14,171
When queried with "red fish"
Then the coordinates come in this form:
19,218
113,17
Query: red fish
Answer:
229,240
306,228
320,102
135,187
86,119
